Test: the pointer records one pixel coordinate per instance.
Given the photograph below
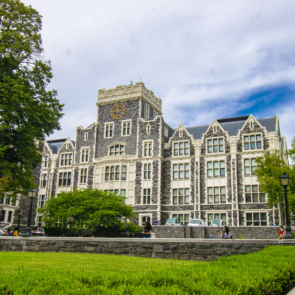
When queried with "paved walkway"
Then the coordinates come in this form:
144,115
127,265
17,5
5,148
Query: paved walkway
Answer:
292,292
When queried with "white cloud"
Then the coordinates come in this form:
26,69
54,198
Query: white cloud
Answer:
187,52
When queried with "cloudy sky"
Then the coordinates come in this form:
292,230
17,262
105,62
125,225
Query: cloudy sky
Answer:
204,59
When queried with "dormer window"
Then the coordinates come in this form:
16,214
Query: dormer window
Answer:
66,159
252,142
117,149
181,148
215,145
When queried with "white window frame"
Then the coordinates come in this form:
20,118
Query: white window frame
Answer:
173,214
147,110
149,149
112,171
43,182
215,213
251,193
213,145
252,220
147,172
251,166
141,216
176,195
249,142
108,131
178,171
86,155
67,178
214,168
70,159
147,192
83,176
45,160
184,147
121,153
214,194
41,201
127,128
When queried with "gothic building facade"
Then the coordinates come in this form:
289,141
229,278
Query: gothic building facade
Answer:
203,172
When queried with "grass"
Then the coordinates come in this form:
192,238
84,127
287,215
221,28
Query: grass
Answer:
269,271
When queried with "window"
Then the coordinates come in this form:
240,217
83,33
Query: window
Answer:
41,202
39,221
148,148
183,218
117,149
249,166
45,161
216,169
109,130
1,199
7,201
155,113
147,171
181,171
145,219
113,173
181,196
166,131
253,194
86,136
126,127
148,129
147,111
256,219
43,180
180,148
180,133
64,179
212,216
83,176
215,145
252,142
66,159
9,217
216,195
2,215
146,196
84,154
12,202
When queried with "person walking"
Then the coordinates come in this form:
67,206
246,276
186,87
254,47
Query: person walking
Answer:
147,230
226,233
281,233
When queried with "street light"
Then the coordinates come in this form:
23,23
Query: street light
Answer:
32,194
19,213
285,181
71,220
1,209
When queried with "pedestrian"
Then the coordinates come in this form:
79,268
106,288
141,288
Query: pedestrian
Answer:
147,230
15,232
226,233
281,233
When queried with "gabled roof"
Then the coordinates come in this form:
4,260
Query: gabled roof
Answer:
232,126
56,144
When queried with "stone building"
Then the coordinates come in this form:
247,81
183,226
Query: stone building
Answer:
189,172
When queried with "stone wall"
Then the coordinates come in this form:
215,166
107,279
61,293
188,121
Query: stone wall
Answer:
186,249
238,232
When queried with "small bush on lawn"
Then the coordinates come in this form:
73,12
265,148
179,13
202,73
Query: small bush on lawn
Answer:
269,271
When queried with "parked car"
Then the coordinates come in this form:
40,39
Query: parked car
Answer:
173,221
196,222
218,222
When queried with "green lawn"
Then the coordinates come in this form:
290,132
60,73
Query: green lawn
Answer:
263,272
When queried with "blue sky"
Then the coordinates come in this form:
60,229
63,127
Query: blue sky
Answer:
204,59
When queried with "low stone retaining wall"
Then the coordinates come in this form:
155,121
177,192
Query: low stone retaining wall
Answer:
201,232
187,249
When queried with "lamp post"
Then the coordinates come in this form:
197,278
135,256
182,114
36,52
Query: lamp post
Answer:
1,209
71,220
32,194
19,213
285,181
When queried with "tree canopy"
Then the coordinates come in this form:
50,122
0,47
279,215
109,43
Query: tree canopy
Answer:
90,209
269,169
28,110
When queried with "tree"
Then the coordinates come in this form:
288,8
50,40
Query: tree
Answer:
28,111
269,169
90,208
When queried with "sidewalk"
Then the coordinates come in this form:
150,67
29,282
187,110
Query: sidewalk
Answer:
292,292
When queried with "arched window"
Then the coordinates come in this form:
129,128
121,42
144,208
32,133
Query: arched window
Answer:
145,219
117,149
86,136
148,129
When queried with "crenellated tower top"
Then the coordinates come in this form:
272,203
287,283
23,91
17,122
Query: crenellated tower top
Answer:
126,93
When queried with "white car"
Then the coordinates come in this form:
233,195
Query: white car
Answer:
196,222
218,222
